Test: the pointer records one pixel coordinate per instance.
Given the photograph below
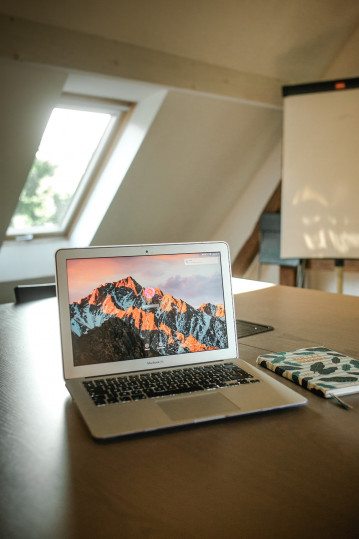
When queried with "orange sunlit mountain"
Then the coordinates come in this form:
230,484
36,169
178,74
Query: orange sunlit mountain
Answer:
124,320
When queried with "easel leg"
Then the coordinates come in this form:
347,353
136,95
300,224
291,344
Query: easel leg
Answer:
339,268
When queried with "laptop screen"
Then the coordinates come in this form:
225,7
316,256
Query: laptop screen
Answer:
127,308
131,307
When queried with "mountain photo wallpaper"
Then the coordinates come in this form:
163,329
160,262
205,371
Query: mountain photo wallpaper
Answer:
148,306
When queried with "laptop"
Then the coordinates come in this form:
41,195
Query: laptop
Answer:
148,336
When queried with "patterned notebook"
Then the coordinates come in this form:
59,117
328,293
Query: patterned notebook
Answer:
321,370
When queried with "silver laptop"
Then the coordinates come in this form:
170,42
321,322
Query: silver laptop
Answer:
149,340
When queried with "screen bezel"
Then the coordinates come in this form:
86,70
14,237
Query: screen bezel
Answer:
133,365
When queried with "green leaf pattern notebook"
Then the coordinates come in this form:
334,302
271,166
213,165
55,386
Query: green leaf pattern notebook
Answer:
321,370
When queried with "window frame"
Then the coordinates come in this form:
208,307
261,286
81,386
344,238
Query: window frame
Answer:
121,112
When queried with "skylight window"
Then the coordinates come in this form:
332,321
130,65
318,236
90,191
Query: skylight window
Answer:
74,141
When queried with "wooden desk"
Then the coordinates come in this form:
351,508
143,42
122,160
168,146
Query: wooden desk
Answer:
285,474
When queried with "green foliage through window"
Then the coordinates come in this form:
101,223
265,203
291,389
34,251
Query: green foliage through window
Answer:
70,146
39,203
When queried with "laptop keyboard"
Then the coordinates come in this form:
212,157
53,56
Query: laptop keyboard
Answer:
133,387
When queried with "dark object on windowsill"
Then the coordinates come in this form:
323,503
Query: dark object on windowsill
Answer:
32,292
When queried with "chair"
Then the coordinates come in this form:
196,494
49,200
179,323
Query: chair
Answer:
269,246
32,292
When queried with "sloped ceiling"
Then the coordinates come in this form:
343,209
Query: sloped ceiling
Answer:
201,151
293,40
194,162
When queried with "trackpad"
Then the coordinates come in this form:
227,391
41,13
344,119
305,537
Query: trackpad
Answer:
213,405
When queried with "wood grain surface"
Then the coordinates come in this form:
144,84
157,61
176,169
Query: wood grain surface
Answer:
285,474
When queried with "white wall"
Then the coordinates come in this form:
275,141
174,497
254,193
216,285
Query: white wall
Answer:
199,156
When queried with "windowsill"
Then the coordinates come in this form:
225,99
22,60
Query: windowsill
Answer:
20,260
